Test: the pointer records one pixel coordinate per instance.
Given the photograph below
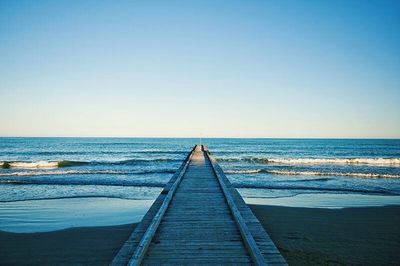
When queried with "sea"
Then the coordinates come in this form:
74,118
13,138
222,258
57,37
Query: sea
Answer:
54,183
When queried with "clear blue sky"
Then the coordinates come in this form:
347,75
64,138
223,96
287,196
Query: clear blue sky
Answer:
191,68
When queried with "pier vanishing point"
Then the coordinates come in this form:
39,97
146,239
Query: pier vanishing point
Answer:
199,218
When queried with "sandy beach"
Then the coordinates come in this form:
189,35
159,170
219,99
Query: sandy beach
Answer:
357,236
305,236
74,246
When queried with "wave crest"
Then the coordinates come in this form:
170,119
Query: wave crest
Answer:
66,163
62,182
365,175
88,172
277,172
315,189
40,164
134,161
237,172
368,161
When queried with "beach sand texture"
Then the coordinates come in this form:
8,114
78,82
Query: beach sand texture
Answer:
305,236
357,236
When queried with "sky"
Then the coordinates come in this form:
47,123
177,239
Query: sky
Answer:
297,69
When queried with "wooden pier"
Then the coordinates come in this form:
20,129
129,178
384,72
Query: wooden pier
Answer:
199,218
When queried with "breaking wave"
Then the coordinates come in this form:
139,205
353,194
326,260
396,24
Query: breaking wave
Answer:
118,183
365,175
40,164
65,163
316,189
367,161
237,172
88,172
276,172
134,161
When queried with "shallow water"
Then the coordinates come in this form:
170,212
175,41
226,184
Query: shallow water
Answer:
49,215
328,201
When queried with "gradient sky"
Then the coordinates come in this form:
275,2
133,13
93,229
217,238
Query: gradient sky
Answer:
200,68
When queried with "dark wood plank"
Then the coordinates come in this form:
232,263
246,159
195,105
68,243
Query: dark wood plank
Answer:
199,218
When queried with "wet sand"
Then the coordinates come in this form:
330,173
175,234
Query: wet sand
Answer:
74,246
305,236
308,236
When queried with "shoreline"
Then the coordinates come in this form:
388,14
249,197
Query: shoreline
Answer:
305,236
48,215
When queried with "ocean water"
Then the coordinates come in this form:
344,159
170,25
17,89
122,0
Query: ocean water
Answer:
48,168
136,169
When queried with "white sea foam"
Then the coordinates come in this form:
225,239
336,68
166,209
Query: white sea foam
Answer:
372,161
85,172
40,164
278,172
67,172
366,161
243,171
32,165
365,175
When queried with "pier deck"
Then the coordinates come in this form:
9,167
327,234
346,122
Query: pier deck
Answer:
199,218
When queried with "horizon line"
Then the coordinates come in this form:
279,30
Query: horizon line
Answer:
197,137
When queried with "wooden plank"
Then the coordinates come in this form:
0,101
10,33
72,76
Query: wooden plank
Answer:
129,247
199,218
251,245
267,248
151,230
200,200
